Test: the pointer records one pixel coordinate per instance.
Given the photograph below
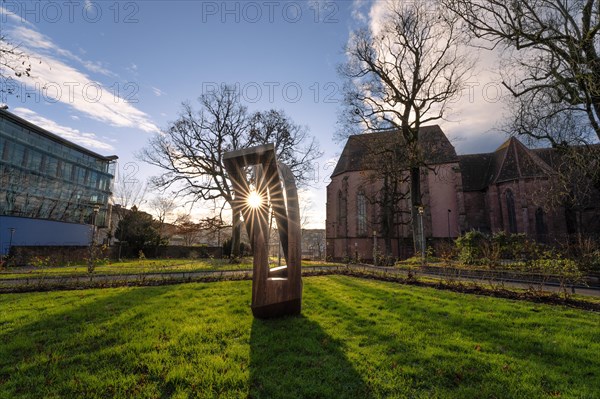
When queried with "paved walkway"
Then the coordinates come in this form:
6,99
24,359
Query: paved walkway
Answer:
107,280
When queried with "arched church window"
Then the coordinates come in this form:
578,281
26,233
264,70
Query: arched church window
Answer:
361,213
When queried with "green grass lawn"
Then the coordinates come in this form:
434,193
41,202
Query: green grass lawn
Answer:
138,266
355,338
129,267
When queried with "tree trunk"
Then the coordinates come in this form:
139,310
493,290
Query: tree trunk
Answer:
415,201
388,214
236,234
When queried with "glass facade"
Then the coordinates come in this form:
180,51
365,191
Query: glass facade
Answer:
43,176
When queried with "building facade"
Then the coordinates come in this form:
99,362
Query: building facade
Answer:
45,177
506,190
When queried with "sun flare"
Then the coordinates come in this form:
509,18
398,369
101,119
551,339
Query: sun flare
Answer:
254,200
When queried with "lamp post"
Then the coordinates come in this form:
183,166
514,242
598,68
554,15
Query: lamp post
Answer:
421,211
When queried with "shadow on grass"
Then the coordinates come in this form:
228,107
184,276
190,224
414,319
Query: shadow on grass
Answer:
470,346
154,342
293,357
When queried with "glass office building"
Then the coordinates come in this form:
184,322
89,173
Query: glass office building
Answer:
44,176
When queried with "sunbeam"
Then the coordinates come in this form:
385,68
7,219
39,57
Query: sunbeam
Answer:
254,200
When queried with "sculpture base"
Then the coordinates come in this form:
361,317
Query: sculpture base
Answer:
287,308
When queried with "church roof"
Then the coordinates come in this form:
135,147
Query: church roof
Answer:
433,142
511,161
475,170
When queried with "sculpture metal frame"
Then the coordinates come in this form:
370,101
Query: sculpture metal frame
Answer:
278,291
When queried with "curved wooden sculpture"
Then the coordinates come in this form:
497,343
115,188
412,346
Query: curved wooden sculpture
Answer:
275,292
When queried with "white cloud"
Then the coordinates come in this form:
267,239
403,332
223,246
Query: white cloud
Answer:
6,14
56,81
312,211
157,92
377,14
35,40
88,140
357,11
133,68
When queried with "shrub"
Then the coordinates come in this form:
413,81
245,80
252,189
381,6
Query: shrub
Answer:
587,255
509,246
551,264
476,248
41,261
469,247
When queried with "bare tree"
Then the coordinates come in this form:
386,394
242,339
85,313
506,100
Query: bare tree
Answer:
190,150
13,62
128,191
294,146
187,229
162,208
552,66
214,227
385,164
572,188
402,74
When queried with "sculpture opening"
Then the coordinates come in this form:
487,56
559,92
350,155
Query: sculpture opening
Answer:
254,200
278,291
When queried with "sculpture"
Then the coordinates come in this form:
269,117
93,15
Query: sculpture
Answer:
278,291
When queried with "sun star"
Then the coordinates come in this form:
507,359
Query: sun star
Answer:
254,200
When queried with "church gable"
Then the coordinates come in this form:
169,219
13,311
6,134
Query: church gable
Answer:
513,161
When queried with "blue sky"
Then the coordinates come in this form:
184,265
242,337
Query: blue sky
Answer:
115,73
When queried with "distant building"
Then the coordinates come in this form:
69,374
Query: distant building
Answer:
44,177
499,191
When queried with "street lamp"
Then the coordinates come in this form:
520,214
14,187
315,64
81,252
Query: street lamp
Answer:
421,211
449,211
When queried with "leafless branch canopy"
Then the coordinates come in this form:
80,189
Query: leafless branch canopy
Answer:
552,65
404,74
293,144
190,150
13,63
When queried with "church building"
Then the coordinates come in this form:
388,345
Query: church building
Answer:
368,199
